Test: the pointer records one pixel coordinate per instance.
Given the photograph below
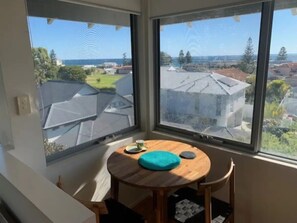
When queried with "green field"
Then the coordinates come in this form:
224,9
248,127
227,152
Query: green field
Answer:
107,81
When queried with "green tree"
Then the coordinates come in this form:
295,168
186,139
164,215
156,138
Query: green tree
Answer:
271,142
247,63
43,68
250,91
273,111
52,147
282,55
165,59
90,71
276,90
285,144
181,58
126,61
53,58
188,57
72,73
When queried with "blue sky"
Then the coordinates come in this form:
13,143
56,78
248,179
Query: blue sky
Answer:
222,36
225,36
73,40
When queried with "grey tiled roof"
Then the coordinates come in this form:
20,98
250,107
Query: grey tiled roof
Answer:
198,82
76,109
106,124
82,110
103,99
69,139
57,91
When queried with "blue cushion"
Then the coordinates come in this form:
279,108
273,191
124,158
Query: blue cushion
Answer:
159,160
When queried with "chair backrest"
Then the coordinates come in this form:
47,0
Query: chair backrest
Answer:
209,187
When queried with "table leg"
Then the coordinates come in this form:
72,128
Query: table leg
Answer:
202,180
161,206
155,200
114,188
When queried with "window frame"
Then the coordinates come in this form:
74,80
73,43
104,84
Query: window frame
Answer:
120,134
133,18
260,88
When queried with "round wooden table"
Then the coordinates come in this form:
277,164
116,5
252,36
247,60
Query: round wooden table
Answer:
124,168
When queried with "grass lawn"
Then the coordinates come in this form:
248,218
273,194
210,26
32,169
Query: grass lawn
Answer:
106,81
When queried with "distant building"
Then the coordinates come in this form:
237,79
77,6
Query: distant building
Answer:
201,99
233,72
85,67
193,67
109,64
196,99
124,69
82,113
284,71
110,70
59,62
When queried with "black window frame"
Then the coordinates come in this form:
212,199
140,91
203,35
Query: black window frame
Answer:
135,77
260,88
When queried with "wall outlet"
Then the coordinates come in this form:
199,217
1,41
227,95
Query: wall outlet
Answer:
23,103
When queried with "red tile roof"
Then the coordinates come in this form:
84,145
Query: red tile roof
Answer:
233,73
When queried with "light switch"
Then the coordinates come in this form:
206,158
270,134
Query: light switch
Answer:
24,107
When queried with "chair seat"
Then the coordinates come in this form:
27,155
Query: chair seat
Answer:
186,206
118,212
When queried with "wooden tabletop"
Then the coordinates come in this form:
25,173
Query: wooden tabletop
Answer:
125,168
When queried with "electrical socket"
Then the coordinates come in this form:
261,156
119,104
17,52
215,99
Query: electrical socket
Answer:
24,107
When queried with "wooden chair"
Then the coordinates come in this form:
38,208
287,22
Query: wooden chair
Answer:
189,205
109,210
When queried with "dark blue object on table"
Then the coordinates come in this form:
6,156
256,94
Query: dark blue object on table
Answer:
187,155
159,160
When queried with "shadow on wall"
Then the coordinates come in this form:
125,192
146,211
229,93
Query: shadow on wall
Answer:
84,175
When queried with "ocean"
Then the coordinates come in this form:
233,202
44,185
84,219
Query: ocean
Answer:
95,62
195,59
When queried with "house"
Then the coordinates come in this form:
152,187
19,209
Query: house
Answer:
109,64
233,72
284,69
265,185
110,70
124,69
97,114
201,99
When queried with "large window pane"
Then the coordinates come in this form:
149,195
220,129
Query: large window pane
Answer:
83,71
280,118
208,64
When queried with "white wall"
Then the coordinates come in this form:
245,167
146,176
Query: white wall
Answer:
32,198
5,127
85,175
17,70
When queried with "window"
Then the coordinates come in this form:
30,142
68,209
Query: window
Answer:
84,70
218,105
211,58
241,62
279,135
